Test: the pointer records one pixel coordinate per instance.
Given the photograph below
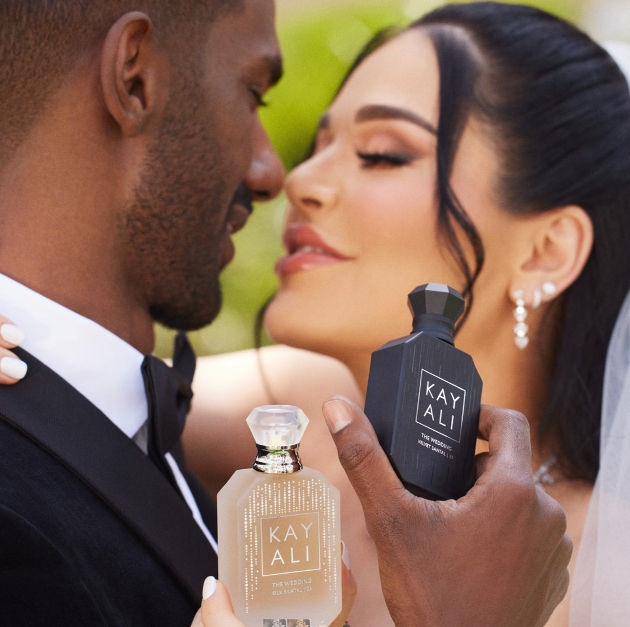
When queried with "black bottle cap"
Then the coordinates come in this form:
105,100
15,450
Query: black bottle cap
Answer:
435,308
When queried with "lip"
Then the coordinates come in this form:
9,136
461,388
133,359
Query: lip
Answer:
237,217
306,250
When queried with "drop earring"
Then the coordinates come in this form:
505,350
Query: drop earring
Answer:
520,314
536,298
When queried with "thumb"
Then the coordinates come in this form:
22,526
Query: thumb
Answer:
216,607
368,469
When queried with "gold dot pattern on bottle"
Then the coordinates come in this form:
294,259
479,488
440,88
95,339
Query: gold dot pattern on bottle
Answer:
289,540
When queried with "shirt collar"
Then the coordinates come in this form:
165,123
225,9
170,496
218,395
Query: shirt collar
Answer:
97,363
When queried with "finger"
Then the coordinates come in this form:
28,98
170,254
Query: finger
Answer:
361,455
216,607
10,335
12,369
509,446
481,464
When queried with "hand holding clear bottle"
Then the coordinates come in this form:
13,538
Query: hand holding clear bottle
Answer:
216,607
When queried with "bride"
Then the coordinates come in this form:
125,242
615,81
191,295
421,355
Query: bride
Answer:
486,147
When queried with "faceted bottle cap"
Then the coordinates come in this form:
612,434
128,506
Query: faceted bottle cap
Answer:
436,299
275,426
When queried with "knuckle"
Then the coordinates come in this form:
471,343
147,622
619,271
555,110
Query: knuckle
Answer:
358,453
555,515
395,525
566,548
516,418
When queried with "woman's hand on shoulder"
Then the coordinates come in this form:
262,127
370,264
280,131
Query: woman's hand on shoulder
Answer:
12,368
216,608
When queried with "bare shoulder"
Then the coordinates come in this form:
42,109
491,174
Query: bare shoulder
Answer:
225,383
228,382
227,387
304,376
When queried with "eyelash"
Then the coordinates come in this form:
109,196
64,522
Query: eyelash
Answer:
393,159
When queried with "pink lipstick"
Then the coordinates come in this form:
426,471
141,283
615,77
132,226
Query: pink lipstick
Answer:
306,250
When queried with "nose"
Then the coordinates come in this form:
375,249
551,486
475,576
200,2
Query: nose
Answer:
308,188
265,177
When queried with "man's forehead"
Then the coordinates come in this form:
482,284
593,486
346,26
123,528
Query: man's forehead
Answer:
254,21
250,33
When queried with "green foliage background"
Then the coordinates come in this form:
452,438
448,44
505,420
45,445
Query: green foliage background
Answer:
319,43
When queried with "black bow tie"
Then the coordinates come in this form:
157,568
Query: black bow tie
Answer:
168,395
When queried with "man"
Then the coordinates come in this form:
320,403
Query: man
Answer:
125,137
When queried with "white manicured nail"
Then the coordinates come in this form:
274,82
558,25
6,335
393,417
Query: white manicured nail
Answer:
12,334
209,587
12,367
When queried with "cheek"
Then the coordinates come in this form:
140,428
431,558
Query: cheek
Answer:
394,225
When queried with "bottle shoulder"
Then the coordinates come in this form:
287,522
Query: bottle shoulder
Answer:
406,356
247,479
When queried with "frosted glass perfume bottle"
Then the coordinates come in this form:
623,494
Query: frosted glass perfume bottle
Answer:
423,399
279,535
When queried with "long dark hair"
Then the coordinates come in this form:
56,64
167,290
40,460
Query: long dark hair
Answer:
558,108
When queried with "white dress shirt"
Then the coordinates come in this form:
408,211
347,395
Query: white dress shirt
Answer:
97,363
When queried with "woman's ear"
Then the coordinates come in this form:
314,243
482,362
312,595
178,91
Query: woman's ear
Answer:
129,75
559,248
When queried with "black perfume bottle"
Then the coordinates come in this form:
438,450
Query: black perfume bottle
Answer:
423,399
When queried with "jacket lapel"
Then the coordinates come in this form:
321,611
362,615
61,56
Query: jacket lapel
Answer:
53,414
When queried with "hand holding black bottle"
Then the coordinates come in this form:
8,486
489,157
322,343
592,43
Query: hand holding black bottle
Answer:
423,399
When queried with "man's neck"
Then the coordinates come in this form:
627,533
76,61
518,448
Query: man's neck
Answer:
58,228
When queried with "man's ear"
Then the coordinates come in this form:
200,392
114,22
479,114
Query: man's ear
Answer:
129,72
559,247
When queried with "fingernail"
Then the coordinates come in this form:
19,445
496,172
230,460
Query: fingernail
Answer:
338,415
12,367
12,334
209,587
345,556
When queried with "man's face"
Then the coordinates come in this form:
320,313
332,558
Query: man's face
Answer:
210,145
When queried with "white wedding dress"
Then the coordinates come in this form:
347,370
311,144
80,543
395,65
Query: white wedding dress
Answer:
601,584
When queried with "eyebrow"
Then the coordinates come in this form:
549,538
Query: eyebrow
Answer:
387,112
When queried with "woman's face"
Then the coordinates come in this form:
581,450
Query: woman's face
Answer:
361,228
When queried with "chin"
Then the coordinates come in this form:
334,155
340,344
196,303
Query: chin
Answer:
193,310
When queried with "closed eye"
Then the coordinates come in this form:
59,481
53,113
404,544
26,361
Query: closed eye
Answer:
394,159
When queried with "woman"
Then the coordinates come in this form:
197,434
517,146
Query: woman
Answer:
486,146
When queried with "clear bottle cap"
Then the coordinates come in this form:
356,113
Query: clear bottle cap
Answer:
275,426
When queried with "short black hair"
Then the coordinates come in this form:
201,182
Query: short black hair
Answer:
41,40
558,110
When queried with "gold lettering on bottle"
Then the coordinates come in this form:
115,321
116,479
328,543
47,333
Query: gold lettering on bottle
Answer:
277,557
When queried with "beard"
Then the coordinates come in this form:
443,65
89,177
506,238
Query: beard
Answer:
175,224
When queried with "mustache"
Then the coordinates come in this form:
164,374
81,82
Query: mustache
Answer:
243,197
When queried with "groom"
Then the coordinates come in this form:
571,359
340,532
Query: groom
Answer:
130,151
130,148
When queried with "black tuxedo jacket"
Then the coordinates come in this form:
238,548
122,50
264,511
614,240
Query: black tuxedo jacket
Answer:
91,533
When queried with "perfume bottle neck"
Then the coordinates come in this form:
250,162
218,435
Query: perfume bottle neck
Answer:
277,460
435,325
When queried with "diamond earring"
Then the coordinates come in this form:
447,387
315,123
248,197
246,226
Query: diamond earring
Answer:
549,288
520,314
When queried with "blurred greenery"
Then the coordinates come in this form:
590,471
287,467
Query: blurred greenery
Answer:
319,43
